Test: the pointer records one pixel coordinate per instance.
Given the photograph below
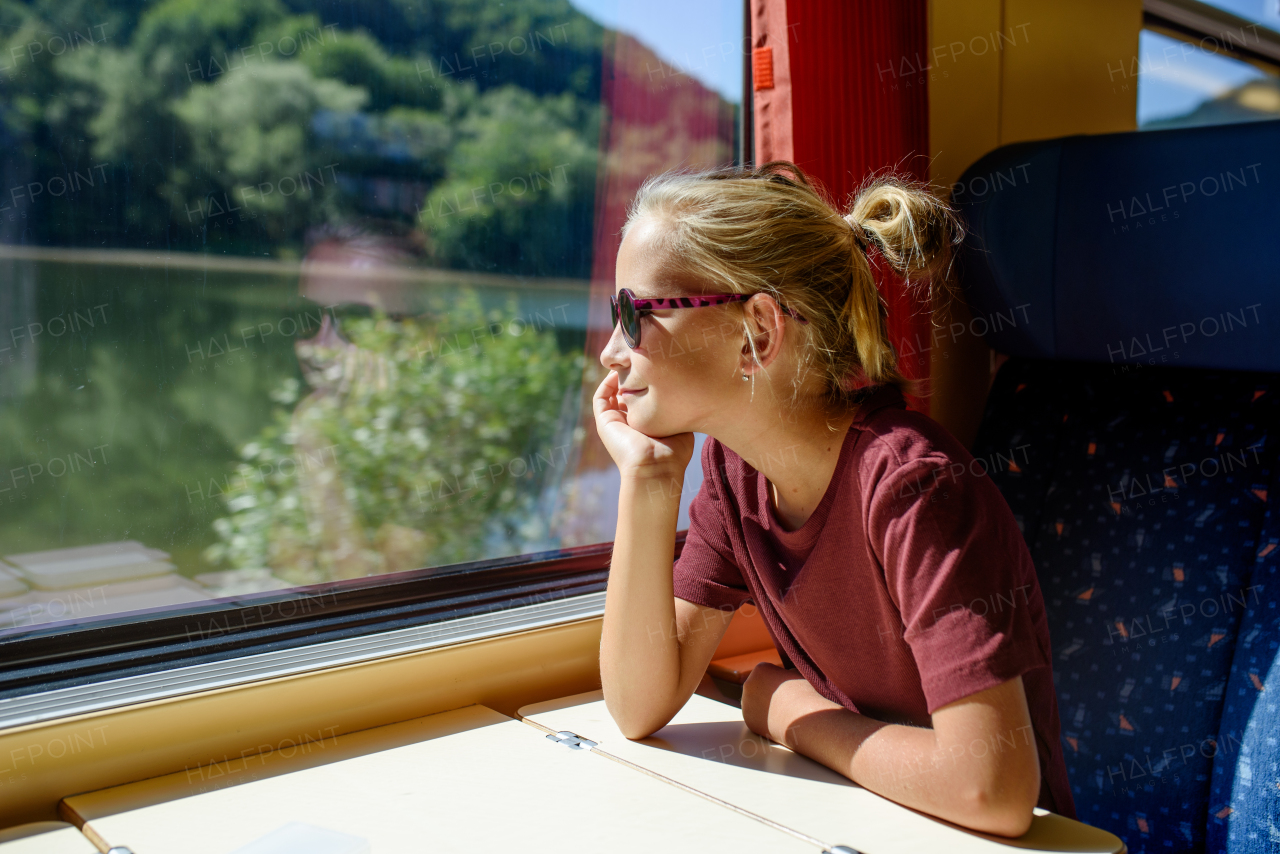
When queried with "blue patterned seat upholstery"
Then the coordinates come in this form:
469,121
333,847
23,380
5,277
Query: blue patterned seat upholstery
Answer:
1141,498
1244,803
1144,383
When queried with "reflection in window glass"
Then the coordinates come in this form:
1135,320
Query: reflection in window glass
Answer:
301,292
1181,84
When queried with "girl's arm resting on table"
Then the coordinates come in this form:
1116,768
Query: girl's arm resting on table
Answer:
977,767
654,648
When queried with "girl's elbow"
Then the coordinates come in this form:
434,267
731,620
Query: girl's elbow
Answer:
1011,820
634,723
1008,813
1002,819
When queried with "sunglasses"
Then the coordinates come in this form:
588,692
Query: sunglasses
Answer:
627,308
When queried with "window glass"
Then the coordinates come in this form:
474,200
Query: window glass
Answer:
1264,12
298,291
1182,83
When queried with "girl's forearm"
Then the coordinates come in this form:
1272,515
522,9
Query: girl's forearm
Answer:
902,763
639,650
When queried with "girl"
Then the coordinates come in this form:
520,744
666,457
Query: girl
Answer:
887,568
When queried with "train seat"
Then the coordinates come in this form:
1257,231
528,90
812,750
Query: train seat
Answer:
1129,432
1244,801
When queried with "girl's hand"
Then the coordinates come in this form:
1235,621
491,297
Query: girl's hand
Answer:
635,453
773,699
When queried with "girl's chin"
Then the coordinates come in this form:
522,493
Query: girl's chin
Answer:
637,421
649,427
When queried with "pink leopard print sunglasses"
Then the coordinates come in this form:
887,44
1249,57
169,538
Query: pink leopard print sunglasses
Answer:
628,308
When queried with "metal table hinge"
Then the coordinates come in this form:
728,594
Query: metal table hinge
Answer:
573,740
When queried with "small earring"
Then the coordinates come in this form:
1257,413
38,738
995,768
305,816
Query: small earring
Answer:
744,377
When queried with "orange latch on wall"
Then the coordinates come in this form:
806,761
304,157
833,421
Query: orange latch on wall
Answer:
762,67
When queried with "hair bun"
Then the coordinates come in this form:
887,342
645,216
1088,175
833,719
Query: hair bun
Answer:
913,228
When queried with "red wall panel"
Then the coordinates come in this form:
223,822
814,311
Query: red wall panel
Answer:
846,106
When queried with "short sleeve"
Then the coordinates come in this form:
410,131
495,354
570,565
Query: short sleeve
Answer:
705,572
959,571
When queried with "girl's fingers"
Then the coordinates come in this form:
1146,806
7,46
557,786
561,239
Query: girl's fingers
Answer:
604,398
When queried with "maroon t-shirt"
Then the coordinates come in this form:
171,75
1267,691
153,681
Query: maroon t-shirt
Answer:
909,587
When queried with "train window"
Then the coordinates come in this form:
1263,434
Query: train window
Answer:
1205,64
301,296
1181,84
1265,12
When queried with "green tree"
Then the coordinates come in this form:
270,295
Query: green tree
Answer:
251,133
358,60
519,208
432,448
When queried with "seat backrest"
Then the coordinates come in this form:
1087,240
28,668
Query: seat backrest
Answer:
1142,506
1154,248
1143,467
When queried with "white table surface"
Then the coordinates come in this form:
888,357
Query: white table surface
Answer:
461,781
708,747
45,837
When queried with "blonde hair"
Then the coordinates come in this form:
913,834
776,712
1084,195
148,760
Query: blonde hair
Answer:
771,230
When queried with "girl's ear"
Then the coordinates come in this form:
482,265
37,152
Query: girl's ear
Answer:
763,329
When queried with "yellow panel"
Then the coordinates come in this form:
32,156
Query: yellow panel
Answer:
41,764
1068,81
964,83
708,747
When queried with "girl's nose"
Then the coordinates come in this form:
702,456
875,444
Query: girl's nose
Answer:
614,356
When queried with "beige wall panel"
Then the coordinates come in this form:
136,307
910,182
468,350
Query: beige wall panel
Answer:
964,85
41,764
1066,81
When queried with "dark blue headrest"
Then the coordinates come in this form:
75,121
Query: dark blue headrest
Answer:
1152,247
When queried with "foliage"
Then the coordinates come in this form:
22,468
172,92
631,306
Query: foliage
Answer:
358,60
426,437
250,130
185,101
516,208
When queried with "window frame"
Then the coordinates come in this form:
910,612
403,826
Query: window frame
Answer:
51,657
1190,20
